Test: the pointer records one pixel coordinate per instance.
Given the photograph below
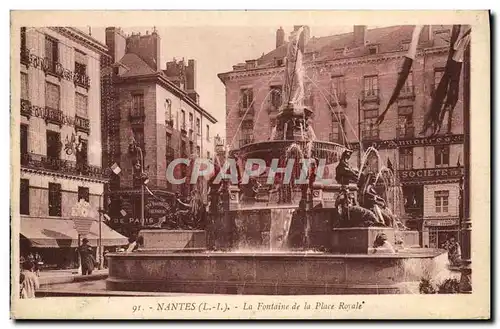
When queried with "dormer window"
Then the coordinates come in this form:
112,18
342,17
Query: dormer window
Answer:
278,61
405,45
372,50
251,64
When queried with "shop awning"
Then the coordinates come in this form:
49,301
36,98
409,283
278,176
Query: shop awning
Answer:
50,232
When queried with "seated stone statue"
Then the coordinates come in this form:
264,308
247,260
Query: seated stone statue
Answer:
372,201
344,173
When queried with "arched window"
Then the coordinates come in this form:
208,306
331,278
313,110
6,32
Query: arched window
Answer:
168,109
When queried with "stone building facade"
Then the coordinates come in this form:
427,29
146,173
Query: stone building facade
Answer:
60,135
349,80
160,108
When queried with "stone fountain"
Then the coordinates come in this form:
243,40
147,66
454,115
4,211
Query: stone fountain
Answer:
279,238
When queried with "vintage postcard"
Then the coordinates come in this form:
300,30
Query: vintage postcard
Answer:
250,165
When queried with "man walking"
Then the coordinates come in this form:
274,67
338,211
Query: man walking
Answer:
87,257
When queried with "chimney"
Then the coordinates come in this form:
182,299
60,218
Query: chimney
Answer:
359,35
147,47
304,36
116,43
191,75
280,37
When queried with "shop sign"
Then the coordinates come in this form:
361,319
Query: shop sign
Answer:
157,208
423,141
136,222
431,174
441,222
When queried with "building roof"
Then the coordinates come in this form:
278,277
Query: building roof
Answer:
137,69
136,66
388,39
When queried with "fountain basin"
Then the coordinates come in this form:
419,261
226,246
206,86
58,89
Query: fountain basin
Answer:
160,240
274,273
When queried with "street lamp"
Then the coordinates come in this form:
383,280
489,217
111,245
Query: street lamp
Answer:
139,166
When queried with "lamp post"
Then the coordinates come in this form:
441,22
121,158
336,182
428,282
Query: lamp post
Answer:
99,245
144,178
466,224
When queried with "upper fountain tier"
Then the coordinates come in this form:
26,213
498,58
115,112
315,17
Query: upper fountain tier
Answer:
294,120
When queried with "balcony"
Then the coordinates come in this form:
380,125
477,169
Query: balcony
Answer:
81,80
407,92
414,211
342,98
170,152
42,162
245,141
248,112
54,116
169,121
371,96
26,108
336,138
370,134
183,129
52,67
82,124
137,117
405,132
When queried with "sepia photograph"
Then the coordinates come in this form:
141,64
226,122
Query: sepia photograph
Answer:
311,165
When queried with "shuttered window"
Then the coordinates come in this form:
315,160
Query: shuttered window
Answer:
54,199
52,96
24,205
81,105
24,86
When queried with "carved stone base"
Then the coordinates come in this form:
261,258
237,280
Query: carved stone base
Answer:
173,240
358,240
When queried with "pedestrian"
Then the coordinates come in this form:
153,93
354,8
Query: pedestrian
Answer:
105,259
87,257
38,263
454,252
28,281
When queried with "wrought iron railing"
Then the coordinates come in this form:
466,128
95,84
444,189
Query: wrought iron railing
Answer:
247,111
405,132
336,138
169,121
82,124
370,134
81,80
246,141
43,162
54,116
371,95
52,67
407,92
169,152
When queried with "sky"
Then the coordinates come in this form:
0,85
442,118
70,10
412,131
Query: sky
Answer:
216,49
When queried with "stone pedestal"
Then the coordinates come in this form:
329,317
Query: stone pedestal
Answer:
358,240
173,240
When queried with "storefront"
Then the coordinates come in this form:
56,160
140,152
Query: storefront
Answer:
431,203
441,230
56,240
